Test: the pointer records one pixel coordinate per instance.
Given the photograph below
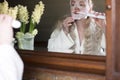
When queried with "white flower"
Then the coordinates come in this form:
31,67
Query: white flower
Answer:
34,32
12,11
4,7
37,13
23,14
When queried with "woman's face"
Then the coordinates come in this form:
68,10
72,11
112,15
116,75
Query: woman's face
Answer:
79,6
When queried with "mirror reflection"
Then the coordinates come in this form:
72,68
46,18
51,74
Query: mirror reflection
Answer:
82,32
72,24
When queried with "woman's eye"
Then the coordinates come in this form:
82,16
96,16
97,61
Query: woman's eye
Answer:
72,2
82,5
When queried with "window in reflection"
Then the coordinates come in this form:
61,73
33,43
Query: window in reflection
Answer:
81,32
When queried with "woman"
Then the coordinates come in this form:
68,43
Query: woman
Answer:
11,65
79,33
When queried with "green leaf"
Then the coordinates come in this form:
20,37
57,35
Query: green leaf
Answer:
32,26
22,28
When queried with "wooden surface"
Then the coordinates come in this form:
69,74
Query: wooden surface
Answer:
113,40
35,73
71,62
109,39
59,62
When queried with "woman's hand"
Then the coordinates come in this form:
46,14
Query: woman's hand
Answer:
6,32
67,22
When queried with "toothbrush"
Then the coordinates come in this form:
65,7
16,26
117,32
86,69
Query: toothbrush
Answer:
99,16
92,15
16,24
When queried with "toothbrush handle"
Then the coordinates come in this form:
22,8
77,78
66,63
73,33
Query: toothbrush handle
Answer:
99,16
16,24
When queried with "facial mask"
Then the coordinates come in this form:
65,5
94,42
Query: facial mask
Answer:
80,9
78,6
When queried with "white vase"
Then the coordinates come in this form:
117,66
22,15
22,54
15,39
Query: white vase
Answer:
26,43
26,40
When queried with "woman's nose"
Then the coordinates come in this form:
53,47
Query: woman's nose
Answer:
76,10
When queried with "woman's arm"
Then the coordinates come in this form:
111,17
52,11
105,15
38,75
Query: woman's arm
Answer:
11,65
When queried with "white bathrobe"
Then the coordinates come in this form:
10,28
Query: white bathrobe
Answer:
11,65
60,42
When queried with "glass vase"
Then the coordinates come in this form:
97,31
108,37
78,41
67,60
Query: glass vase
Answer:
26,43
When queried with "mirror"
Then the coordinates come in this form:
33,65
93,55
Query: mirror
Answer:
54,9
84,36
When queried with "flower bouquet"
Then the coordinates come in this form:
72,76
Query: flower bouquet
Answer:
26,39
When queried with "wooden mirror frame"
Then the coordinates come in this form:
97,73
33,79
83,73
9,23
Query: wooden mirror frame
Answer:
107,67
113,38
74,63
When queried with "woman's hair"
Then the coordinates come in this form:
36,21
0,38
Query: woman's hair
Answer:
90,3
59,24
93,36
